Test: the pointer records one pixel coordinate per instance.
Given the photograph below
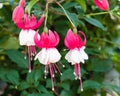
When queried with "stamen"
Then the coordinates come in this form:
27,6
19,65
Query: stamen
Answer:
46,71
81,88
31,51
78,74
51,73
25,57
53,89
58,69
62,64
29,60
30,71
54,68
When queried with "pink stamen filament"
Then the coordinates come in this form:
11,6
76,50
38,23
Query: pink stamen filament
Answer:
62,64
52,75
53,68
57,68
78,74
31,52
46,71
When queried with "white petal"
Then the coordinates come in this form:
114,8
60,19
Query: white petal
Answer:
22,37
54,55
73,56
67,56
83,54
26,37
42,56
49,55
76,56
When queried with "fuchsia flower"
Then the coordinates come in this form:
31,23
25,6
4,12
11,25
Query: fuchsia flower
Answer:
48,55
24,21
102,4
27,24
76,54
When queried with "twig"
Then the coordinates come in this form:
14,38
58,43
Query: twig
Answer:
61,1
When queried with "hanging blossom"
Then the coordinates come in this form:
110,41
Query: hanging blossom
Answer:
76,55
102,4
27,24
48,55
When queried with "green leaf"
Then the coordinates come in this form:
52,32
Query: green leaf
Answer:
90,84
73,17
24,93
82,4
65,93
34,94
66,86
95,22
34,76
49,83
42,88
99,65
46,94
30,5
13,76
17,57
23,85
38,94
68,74
8,44
69,5
79,11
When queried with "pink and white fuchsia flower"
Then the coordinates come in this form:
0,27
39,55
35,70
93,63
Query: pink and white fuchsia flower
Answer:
48,55
27,24
102,4
76,55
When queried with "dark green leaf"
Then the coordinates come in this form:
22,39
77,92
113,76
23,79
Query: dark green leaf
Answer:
73,17
65,93
99,65
30,5
82,4
90,84
17,57
23,86
66,86
8,44
79,11
42,88
68,74
95,22
13,76
69,5
34,94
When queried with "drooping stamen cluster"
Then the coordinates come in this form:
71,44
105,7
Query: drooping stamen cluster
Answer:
27,24
48,55
102,4
76,55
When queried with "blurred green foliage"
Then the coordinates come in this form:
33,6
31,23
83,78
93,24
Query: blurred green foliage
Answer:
103,47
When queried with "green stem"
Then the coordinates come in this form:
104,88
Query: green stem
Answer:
67,15
46,15
107,41
100,13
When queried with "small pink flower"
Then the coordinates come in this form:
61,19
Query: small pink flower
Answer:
48,55
27,24
18,12
102,4
24,21
76,54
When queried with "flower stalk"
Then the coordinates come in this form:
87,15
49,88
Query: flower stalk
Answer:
73,25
